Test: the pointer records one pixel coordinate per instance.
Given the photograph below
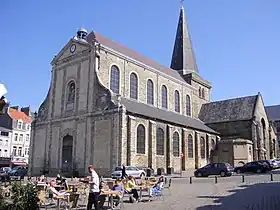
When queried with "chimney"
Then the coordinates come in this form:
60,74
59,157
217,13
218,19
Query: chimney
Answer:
26,110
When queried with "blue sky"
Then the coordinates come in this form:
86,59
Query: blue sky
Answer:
236,42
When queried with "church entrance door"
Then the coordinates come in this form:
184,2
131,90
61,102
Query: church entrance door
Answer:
67,154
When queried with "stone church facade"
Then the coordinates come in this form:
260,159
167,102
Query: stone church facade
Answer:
109,105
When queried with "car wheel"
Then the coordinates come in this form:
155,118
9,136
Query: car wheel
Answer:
199,174
238,171
222,174
142,175
259,171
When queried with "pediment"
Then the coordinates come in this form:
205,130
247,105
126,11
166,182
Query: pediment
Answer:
71,48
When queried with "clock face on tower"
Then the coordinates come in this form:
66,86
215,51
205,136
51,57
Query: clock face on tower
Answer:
72,48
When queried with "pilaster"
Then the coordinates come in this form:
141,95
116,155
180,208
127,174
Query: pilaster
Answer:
131,139
152,144
169,146
197,149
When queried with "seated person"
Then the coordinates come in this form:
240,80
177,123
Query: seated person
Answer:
117,187
157,188
55,192
102,198
130,188
58,179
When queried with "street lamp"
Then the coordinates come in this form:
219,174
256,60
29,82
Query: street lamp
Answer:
3,100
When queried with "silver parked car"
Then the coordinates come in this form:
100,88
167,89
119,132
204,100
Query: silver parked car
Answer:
130,171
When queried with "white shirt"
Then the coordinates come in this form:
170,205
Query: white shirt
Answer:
94,187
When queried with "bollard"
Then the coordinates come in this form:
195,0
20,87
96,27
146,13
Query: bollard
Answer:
190,180
243,178
169,184
216,179
165,180
271,177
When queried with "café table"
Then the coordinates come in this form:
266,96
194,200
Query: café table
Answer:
110,193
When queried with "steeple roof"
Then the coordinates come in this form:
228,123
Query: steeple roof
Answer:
183,58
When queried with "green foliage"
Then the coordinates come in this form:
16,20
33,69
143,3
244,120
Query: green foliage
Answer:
22,197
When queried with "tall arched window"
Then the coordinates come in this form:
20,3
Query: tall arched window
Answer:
71,91
263,133
177,101
176,148
202,147
188,105
160,142
141,142
213,144
164,100
199,92
115,79
133,86
150,92
203,93
190,146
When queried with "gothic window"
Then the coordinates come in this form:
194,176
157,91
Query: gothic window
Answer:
115,79
141,135
190,146
176,148
202,147
150,92
177,101
164,97
199,92
71,92
188,105
133,86
202,93
213,144
160,142
263,133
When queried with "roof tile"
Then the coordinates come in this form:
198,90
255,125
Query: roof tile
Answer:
19,115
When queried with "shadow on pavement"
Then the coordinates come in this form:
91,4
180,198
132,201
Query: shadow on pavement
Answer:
262,196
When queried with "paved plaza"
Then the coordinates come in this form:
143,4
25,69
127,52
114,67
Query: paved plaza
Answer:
257,192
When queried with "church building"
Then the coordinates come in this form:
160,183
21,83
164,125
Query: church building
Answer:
108,105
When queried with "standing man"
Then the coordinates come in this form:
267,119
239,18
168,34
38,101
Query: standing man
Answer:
93,189
124,175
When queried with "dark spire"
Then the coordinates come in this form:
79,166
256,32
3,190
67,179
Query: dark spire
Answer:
183,58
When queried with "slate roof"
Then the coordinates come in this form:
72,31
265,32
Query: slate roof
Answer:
132,54
167,116
228,110
273,112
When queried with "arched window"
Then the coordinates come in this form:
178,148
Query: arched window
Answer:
188,105
203,93
177,101
71,91
133,86
190,146
160,142
202,147
199,92
141,136
263,133
176,148
213,144
150,92
164,97
115,79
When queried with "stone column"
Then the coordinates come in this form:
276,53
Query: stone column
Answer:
207,147
131,140
184,148
169,146
197,149
123,138
152,144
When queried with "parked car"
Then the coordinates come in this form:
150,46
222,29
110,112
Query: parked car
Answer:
130,171
253,167
274,163
148,171
268,163
4,176
18,171
222,169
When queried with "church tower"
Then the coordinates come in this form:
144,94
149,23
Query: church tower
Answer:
184,61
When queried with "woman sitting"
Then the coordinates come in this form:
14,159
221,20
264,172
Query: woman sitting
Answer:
130,188
55,192
157,188
117,187
102,198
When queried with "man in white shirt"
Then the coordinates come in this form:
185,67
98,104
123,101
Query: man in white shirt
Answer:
94,189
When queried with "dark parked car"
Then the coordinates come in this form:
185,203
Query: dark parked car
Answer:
4,176
18,171
223,169
253,167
